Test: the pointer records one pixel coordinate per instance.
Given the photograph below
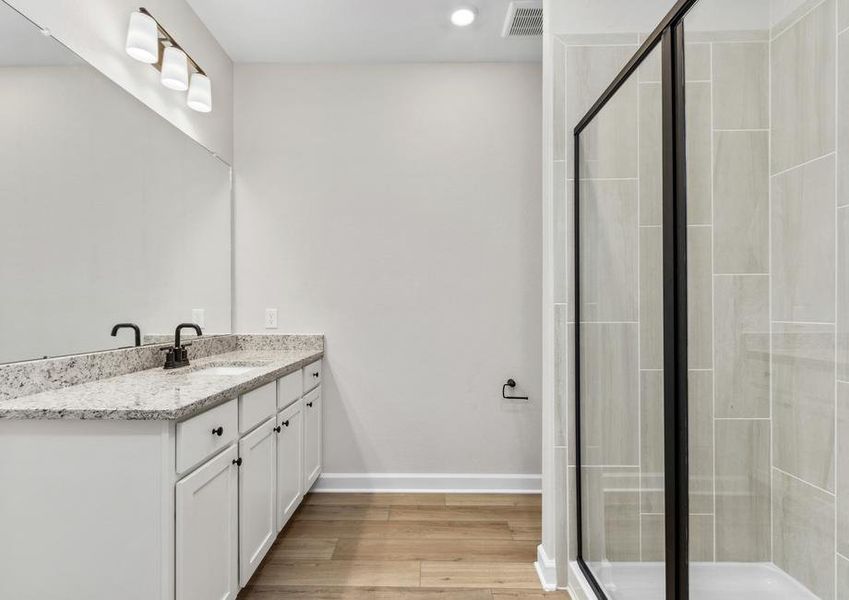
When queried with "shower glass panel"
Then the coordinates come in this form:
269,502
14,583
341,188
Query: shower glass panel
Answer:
620,305
760,112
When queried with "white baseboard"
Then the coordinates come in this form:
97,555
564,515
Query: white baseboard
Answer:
429,482
546,570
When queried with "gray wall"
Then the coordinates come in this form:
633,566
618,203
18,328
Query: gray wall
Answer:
396,209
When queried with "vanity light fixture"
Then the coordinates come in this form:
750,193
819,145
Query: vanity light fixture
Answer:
175,69
463,17
149,42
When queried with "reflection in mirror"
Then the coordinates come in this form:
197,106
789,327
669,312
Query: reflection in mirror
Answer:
109,213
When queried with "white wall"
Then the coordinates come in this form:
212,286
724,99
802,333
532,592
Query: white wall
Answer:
397,209
97,29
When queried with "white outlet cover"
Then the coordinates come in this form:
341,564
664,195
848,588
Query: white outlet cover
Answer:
271,318
199,317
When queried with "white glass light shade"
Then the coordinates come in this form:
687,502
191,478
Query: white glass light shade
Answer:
175,69
200,93
143,38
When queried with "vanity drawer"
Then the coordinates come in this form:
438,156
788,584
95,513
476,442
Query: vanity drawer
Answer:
312,375
205,434
289,388
257,405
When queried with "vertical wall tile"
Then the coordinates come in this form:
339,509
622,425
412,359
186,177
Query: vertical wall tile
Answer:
741,85
700,434
802,92
803,523
842,120
609,394
609,141
698,153
589,70
558,117
609,255
843,14
742,490
803,243
572,515
561,494
741,202
651,441
742,345
803,402
843,468
651,154
560,280
697,62
699,298
843,294
562,381
611,510
842,590
651,298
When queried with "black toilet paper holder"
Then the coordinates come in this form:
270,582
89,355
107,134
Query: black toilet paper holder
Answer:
512,385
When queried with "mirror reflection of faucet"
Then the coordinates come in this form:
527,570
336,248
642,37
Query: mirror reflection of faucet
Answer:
132,326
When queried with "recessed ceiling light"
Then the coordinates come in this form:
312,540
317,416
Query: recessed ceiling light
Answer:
462,17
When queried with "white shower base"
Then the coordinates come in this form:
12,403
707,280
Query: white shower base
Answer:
708,581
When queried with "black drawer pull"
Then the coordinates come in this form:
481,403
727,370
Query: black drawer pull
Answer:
315,375
277,429
237,461
219,431
286,423
309,404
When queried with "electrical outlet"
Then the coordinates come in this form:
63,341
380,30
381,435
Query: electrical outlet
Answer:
199,317
271,318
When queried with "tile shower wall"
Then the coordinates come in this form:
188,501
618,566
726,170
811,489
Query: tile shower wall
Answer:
768,209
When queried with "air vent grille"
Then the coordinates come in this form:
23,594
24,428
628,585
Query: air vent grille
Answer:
524,19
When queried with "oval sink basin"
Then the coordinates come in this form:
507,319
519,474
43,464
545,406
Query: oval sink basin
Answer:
224,370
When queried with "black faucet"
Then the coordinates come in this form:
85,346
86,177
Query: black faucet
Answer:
178,356
132,326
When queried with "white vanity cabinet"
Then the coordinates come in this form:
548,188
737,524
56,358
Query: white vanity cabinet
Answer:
257,497
290,461
206,532
155,509
313,431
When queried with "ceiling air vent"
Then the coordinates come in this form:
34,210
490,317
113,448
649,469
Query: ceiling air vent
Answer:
524,19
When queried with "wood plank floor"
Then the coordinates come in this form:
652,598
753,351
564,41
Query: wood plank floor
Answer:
405,547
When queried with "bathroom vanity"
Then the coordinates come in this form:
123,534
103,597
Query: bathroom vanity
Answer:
157,484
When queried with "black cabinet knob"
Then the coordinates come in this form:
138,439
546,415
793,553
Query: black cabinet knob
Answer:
237,461
309,404
277,429
315,375
286,423
219,431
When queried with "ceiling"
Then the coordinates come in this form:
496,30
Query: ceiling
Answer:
362,31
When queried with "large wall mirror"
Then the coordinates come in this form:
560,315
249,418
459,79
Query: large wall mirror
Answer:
109,213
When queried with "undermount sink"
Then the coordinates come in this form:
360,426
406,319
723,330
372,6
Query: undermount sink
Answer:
224,370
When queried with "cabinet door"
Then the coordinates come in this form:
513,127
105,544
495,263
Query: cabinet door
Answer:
207,531
289,462
257,494
312,437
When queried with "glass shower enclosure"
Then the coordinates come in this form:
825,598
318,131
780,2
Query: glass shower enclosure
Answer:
711,232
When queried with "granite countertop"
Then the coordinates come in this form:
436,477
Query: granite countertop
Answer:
157,394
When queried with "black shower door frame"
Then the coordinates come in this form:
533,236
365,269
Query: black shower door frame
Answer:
669,35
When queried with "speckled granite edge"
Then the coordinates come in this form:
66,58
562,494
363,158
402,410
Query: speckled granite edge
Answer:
36,376
155,394
281,342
